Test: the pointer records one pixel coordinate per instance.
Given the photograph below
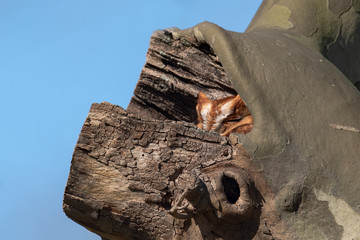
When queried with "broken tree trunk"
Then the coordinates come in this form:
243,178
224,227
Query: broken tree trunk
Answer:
133,172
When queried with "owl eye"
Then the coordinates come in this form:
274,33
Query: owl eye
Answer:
237,119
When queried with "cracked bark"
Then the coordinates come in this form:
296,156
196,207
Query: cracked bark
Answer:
174,73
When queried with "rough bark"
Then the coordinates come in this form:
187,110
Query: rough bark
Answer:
124,169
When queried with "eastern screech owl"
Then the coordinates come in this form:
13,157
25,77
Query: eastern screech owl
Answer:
225,116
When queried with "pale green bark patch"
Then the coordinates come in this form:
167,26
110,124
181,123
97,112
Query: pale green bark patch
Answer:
277,16
344,215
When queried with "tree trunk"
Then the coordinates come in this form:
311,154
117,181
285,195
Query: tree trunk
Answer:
330,27
148,173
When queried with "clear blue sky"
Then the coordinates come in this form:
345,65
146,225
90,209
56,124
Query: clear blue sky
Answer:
56,59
